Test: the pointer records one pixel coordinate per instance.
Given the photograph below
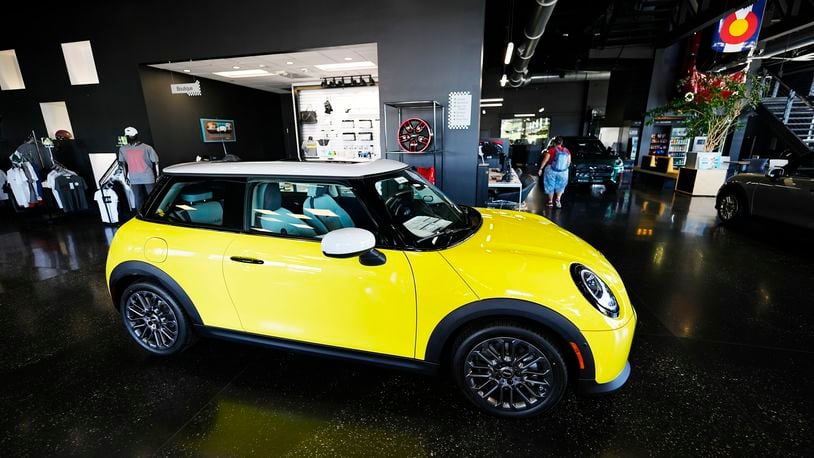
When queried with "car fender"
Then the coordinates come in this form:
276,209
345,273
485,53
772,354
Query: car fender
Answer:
153,273
506,308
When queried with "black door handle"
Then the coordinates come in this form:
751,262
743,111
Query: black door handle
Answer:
246,260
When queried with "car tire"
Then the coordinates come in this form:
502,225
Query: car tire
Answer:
732,207
509,371
153,319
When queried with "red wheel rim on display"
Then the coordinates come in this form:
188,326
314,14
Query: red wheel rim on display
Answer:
414,135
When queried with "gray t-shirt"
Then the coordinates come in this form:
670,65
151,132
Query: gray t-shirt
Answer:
140,160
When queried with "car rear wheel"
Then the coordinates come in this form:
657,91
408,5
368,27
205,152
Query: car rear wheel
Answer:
731,207
153,319
509,371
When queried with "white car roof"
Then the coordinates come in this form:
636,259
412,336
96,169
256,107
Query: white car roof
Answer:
288,168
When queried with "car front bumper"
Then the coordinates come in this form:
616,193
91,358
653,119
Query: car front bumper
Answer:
610,351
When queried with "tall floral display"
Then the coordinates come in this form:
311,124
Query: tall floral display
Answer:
711,104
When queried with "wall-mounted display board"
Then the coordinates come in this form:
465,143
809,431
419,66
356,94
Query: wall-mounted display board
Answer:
218,130
346,127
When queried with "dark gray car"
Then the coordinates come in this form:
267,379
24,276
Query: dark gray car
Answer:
784,194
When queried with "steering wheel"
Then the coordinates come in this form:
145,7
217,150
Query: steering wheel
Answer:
398,204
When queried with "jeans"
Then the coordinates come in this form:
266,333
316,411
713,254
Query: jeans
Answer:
140,193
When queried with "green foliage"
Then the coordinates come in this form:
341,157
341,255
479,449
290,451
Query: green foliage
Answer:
713,105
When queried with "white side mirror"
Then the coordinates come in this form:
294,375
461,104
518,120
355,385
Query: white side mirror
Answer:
347,242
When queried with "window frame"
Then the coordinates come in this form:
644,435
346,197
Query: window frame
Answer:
146,212
381,242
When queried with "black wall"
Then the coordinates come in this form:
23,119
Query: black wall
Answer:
566,103
175,119
427,49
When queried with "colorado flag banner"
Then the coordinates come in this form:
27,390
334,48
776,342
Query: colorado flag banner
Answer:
738,31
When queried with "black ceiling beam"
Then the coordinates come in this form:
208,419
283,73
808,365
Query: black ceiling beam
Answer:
705,18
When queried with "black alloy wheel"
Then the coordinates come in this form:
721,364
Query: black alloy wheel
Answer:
731,207
153,319
510,371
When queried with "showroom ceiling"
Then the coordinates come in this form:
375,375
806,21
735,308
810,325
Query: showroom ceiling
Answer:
276,72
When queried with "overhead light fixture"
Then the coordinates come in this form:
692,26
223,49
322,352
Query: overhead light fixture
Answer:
289,63
525,115
186,70
509,50
491,105
565,34
497,99
483,112
349,58
262,65
236,67
542,109
503,80
242,73
361,65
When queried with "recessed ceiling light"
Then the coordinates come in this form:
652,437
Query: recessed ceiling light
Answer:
242,73
349,58
361,65
289,63
542,109
236,67
186,70
262,65
565,34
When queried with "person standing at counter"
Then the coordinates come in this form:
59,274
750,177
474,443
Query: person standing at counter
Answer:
140,162
554,170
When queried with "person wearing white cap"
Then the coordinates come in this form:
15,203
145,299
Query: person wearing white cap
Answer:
140,162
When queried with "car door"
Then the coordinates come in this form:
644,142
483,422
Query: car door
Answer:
787,199
284,286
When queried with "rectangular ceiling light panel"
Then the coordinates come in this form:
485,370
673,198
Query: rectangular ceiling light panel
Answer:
362,65
80,63
10,76
242,73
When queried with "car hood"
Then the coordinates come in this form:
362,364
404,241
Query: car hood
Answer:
528,257
591,159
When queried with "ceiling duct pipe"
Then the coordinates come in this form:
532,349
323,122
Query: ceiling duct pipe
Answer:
533,31
569,76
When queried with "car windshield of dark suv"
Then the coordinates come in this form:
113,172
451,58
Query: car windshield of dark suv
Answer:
587,147
423,212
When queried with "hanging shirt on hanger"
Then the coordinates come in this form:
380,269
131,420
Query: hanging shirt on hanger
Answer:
20,186
71,189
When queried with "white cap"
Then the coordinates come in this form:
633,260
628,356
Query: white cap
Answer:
130,131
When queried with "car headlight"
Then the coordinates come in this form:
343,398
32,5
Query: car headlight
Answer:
595,290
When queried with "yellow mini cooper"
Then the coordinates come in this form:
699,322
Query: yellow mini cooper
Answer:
372,263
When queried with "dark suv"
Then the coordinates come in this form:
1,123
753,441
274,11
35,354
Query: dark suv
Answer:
592,163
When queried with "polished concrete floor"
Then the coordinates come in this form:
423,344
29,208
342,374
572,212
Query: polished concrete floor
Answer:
722,360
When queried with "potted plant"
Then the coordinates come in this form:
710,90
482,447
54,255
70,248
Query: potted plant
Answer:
711,105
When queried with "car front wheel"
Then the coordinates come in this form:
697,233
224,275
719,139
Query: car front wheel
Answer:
153,319
731,207
509,371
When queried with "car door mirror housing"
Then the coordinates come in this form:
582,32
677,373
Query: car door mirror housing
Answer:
347,242
775,172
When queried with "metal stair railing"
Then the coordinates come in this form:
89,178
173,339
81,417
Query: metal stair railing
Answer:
779,89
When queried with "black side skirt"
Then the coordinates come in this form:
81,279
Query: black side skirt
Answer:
376,359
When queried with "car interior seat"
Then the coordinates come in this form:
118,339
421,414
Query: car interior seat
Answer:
321,206
201,208
268,211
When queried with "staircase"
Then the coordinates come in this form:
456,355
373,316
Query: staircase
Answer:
794,112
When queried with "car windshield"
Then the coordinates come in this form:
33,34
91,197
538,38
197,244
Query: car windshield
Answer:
586,147
422,211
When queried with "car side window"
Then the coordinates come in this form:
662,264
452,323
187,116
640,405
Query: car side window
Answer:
305,209
204,202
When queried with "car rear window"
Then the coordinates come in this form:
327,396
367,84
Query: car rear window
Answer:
200,201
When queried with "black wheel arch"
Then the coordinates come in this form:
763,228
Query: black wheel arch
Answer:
525,312
129,272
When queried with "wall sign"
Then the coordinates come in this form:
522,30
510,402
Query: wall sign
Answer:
218,130
190,89
460,110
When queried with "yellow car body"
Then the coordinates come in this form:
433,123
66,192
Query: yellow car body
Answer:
406,312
